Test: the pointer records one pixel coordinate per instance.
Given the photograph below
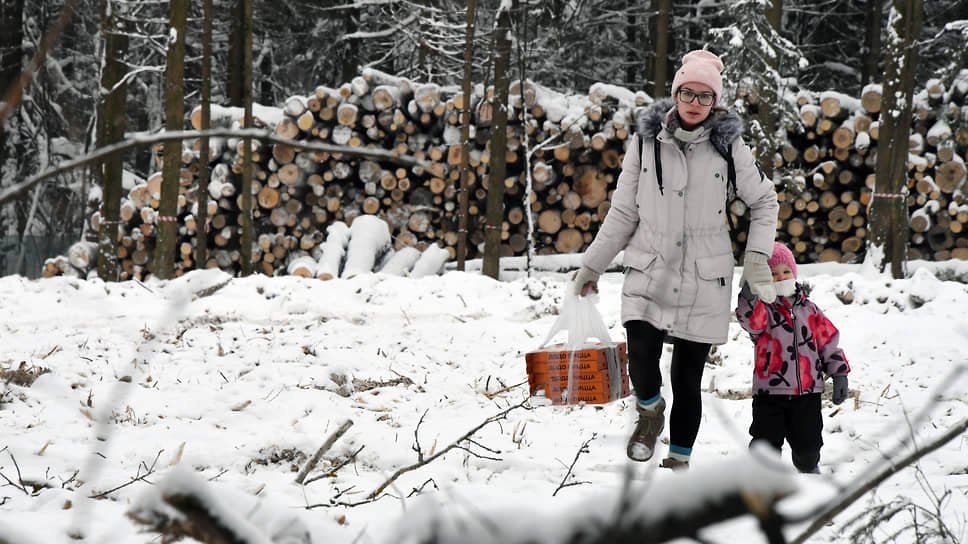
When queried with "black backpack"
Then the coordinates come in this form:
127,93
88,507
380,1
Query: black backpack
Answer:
727,154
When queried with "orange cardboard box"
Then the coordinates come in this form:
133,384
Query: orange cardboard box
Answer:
599,373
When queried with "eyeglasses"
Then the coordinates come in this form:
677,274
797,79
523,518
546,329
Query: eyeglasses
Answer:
705,99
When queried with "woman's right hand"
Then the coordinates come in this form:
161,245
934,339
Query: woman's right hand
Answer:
585,281
756,274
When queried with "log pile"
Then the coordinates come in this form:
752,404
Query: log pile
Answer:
576,146
830,160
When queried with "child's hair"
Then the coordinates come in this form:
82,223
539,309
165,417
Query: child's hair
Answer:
783,255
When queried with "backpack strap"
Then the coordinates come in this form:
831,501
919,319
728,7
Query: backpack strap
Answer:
727,153
658,160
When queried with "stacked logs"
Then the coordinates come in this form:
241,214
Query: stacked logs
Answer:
829,163
575,145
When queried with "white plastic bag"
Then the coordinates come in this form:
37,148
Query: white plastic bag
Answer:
579,317
580,320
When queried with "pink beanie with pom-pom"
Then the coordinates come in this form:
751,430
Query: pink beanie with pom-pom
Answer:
700,66
783,255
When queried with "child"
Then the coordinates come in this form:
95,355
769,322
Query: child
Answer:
796,345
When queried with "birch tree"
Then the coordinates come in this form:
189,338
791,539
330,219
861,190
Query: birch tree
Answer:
757,57
465,133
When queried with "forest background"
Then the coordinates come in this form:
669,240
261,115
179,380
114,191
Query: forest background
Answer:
778,47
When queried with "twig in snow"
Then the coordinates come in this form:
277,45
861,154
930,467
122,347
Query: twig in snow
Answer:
421,461
332,472
850,496
420,489
210,290
20,481
143,285
571,468
323,449
491,396
139,477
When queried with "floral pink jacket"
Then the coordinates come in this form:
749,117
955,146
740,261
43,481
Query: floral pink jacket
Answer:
796,345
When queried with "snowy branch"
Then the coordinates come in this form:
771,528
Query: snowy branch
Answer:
323,449
564,481
456,444
143,139
859,491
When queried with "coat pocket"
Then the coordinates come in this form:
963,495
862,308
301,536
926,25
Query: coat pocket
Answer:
638,273
715,281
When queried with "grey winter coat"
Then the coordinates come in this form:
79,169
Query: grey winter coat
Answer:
678,255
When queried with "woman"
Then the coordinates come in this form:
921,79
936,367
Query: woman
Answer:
670,218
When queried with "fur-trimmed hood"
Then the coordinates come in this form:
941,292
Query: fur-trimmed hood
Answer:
725,126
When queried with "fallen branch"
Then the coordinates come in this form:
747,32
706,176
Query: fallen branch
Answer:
504,390
332,472
210,290
323,449
581,450
21,486
421,461
829,513
139,477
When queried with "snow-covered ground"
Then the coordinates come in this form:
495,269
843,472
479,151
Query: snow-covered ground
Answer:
229,394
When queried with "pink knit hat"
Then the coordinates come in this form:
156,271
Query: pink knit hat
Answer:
700,66
783,255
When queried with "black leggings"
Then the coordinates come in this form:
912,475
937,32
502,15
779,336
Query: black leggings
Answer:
688,361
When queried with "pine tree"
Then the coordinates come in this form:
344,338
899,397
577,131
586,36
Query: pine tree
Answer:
758,60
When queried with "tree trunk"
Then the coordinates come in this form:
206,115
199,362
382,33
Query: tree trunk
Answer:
465,137
111,125
660,71
11,56
201,216
872,11
236,60
632,65
768,97
245,213
888,206
498,165
265,75
350,57
167,227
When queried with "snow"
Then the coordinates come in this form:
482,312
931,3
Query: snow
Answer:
226,395
369,240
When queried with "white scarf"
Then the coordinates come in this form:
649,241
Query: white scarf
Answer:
786,288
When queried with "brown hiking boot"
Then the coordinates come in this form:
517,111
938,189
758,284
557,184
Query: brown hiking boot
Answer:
651,422
674,464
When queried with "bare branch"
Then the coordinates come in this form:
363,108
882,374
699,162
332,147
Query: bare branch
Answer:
849,497
143,139
19,484
332,472
456,444
323,449
138,477
13,95
581,450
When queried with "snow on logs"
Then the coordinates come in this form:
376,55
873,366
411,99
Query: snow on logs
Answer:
827,161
